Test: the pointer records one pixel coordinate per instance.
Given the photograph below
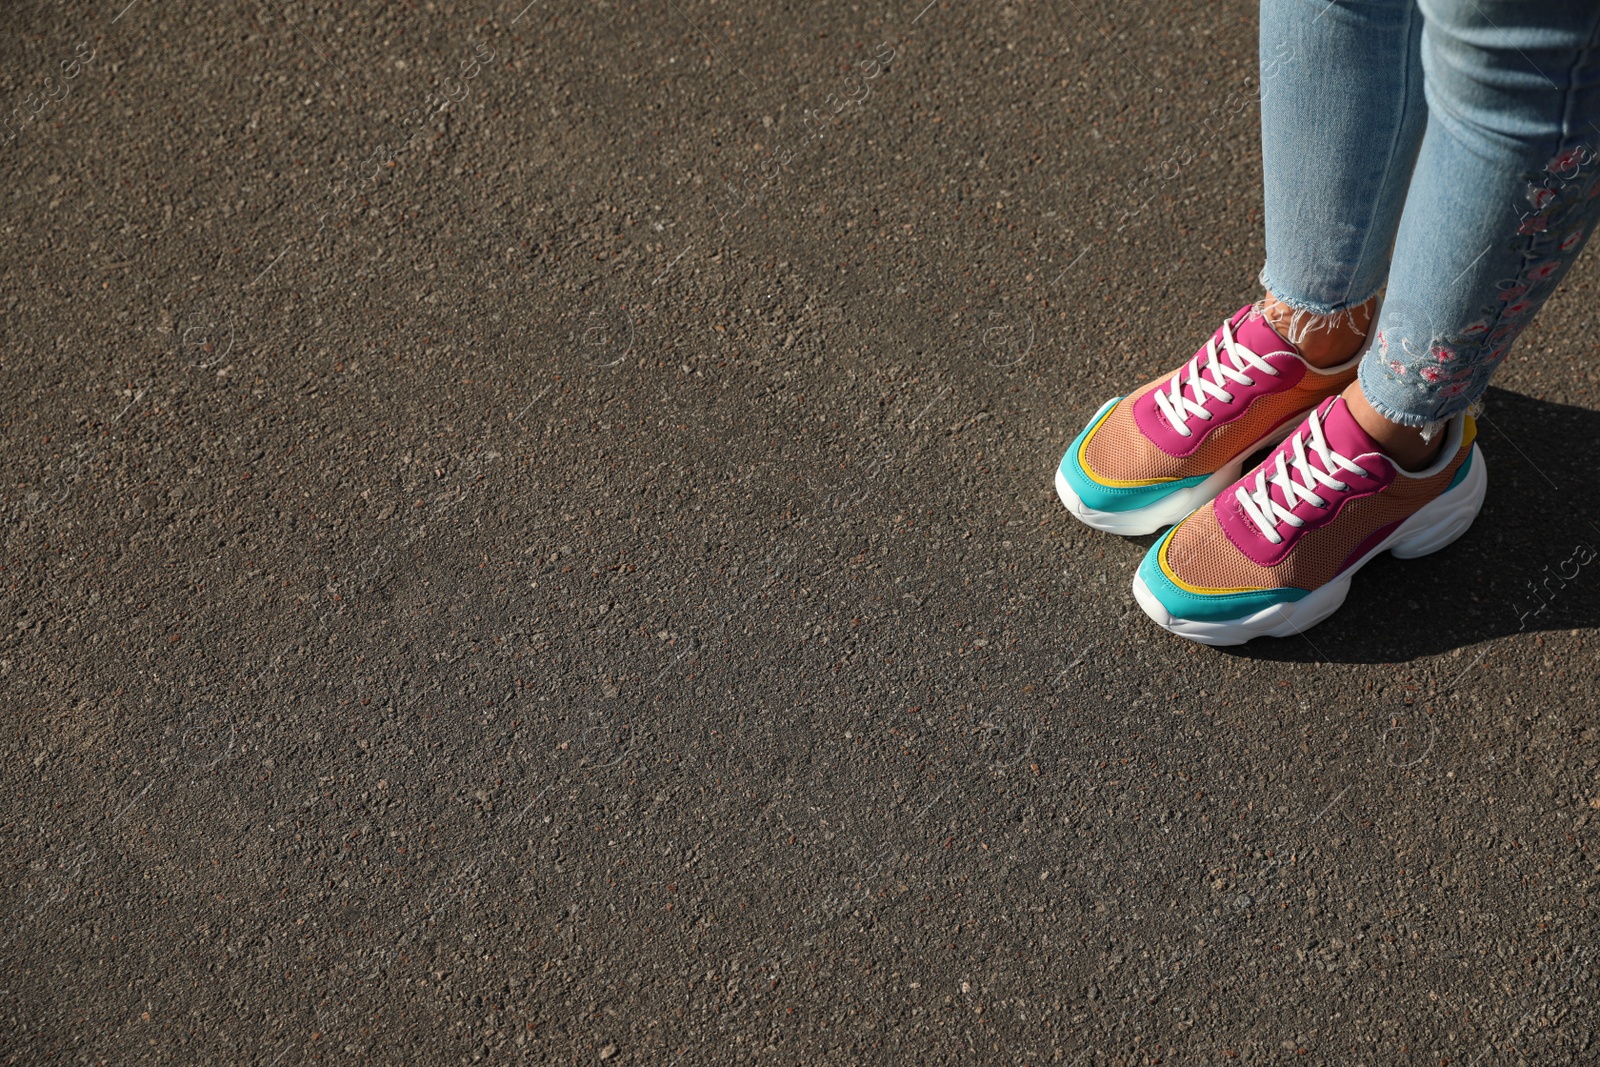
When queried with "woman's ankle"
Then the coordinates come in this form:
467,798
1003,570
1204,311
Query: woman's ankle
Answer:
1323,340
1406,445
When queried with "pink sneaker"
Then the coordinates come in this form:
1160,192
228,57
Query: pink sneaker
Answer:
1274,553
1148,459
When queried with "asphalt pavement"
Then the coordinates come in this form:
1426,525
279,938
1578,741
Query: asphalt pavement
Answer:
529,537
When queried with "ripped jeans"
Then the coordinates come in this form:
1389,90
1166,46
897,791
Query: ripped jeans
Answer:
1443,150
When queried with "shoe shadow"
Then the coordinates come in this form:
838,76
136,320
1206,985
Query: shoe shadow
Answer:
1530,562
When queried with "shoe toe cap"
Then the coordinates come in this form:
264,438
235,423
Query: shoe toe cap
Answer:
1188,601
1103,492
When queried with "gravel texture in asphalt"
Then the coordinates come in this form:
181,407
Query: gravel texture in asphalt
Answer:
528,537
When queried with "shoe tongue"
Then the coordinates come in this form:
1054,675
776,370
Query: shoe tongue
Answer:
1343,432
1252,331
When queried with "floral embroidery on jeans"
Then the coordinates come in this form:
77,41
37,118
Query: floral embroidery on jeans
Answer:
1437,375
1543,270
1571,159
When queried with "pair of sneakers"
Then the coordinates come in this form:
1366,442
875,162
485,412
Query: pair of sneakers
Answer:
1270,552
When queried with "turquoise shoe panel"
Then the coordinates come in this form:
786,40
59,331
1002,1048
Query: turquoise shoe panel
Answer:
1207,607
1461,473
1102,497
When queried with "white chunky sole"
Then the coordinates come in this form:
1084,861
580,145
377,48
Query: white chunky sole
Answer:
1173,508
1436,525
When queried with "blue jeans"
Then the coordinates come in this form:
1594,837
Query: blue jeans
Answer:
1443,150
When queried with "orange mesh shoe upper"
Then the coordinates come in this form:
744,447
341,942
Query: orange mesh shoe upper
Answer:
1204,551
1138,442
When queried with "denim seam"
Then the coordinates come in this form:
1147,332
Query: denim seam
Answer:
1530,246
1449,408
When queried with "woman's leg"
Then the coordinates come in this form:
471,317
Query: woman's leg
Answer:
1503,197
1342,115
1336,78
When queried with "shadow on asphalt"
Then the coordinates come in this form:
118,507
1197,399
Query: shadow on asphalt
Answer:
1529,563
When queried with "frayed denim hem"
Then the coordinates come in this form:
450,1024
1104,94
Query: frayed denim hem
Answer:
1313,307
1386,400
1310,316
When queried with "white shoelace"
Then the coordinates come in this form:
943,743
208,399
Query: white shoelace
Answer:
1179,408
1266,512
